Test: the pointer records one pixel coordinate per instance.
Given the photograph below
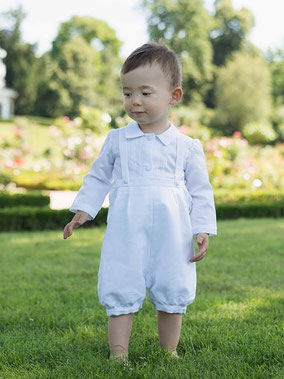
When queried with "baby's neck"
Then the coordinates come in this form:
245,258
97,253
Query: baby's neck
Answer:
150,129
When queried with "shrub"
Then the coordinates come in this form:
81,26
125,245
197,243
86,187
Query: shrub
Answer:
15,200
259,132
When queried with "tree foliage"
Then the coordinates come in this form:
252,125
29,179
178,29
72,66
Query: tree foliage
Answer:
229,30
221,68
22,65
184,26
81,68
104,52
275,59
243,91
72,80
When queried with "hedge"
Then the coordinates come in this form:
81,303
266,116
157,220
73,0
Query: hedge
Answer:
237,196
44,218
31,199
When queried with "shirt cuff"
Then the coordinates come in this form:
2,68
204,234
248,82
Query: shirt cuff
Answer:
211,231
85,208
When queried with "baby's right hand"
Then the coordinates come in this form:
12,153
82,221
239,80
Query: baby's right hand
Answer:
79,219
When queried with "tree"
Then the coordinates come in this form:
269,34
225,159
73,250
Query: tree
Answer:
242,91
229,30
23,67
71,80
81,68
104,48
275,59
184,26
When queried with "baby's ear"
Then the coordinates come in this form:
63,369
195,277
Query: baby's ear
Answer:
176,95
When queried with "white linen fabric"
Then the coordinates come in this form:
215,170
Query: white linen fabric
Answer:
160,197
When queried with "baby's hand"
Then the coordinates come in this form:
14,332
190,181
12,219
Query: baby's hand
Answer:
79,219
202,240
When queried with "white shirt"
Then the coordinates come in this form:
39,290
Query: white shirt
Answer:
155,159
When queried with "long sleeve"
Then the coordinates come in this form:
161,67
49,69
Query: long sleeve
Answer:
203,213
97,182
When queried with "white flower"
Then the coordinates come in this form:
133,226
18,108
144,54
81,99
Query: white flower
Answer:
106,117
257,183
78,121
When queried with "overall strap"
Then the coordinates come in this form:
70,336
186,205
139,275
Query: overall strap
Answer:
123,155
179,174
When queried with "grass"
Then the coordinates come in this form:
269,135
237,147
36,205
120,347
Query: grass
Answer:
53,326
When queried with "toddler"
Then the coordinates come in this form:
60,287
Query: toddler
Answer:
160,197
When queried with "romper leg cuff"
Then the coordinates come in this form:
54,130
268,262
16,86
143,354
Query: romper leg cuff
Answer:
116,311
171,308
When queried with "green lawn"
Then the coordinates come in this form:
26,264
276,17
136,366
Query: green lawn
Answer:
53,326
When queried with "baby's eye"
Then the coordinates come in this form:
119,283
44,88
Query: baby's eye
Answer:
146,93
126,94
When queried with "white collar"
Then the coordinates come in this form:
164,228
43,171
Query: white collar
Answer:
133,130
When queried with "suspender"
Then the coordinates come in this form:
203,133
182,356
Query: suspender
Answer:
180,149
123,155
179,159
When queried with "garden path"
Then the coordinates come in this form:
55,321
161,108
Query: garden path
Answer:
64,199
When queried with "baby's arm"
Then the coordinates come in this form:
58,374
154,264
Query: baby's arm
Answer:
95,186
203,213
202,240
79,219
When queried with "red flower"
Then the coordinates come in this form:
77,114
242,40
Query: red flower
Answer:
18,161
237,134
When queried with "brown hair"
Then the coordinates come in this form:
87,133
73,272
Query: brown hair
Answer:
156,52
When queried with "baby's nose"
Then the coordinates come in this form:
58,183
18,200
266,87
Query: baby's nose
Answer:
136,100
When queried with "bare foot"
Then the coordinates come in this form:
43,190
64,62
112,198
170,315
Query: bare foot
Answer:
118,352
175,354
120,357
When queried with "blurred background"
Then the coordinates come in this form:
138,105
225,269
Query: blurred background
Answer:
59,92
59,96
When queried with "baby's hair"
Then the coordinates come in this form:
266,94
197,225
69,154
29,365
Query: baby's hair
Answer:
156,52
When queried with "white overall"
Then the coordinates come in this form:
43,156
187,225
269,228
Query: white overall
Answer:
148,241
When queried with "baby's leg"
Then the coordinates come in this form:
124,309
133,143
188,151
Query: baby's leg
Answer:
119,330
169,327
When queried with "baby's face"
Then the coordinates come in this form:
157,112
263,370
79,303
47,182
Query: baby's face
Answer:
147,94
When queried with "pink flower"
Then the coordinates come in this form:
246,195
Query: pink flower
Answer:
217,153
18,131
223,142
66,118
183,128
9,163
237,134
84,155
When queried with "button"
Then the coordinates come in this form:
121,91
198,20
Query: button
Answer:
150,137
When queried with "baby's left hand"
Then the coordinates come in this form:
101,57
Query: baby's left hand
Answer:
202,240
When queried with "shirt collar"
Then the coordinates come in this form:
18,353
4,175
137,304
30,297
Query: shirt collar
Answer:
133,130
